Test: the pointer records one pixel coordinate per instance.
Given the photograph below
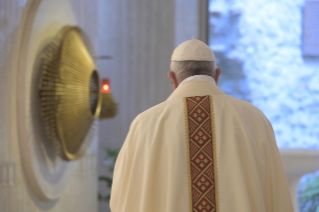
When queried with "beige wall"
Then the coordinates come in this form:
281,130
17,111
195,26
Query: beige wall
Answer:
140,36
15,194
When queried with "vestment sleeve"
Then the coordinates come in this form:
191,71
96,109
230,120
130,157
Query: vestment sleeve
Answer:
122,170
277,195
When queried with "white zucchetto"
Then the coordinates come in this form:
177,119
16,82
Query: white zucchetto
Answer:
193,50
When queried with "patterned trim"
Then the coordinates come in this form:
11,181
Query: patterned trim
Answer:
201,153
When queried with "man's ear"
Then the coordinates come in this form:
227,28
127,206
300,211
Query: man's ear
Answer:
217,74
172,76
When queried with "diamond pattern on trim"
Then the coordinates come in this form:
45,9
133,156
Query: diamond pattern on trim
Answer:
201,154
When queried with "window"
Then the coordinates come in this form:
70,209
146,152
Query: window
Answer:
259,47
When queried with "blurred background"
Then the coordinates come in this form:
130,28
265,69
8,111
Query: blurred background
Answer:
269,54
268,51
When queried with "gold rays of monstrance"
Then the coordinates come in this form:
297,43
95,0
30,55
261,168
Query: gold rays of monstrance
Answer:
69,92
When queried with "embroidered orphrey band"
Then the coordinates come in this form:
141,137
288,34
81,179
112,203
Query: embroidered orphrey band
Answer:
201,154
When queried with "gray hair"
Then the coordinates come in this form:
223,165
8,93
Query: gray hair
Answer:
184,69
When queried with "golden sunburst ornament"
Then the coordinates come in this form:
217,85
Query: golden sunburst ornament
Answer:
69,92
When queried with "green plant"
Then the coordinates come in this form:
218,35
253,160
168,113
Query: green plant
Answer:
309,198
110,155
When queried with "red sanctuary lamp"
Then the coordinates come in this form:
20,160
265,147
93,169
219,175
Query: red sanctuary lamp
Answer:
106,86
109,106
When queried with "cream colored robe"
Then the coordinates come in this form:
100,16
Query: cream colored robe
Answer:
156,172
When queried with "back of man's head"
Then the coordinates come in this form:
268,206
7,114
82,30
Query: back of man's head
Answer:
187,68
192,57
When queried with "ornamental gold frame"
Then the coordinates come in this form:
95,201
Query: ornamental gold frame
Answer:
68,71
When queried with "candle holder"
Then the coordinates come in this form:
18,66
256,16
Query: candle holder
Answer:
109,106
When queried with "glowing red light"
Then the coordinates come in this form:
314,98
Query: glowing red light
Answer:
106,86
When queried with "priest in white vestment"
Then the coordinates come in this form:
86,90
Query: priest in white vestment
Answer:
201,150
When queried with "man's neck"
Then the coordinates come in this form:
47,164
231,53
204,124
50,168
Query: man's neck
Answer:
197,78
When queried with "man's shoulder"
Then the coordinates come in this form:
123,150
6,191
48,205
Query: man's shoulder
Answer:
177,104
157,110
249,107
241,105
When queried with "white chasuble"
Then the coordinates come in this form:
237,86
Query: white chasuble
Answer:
200,151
